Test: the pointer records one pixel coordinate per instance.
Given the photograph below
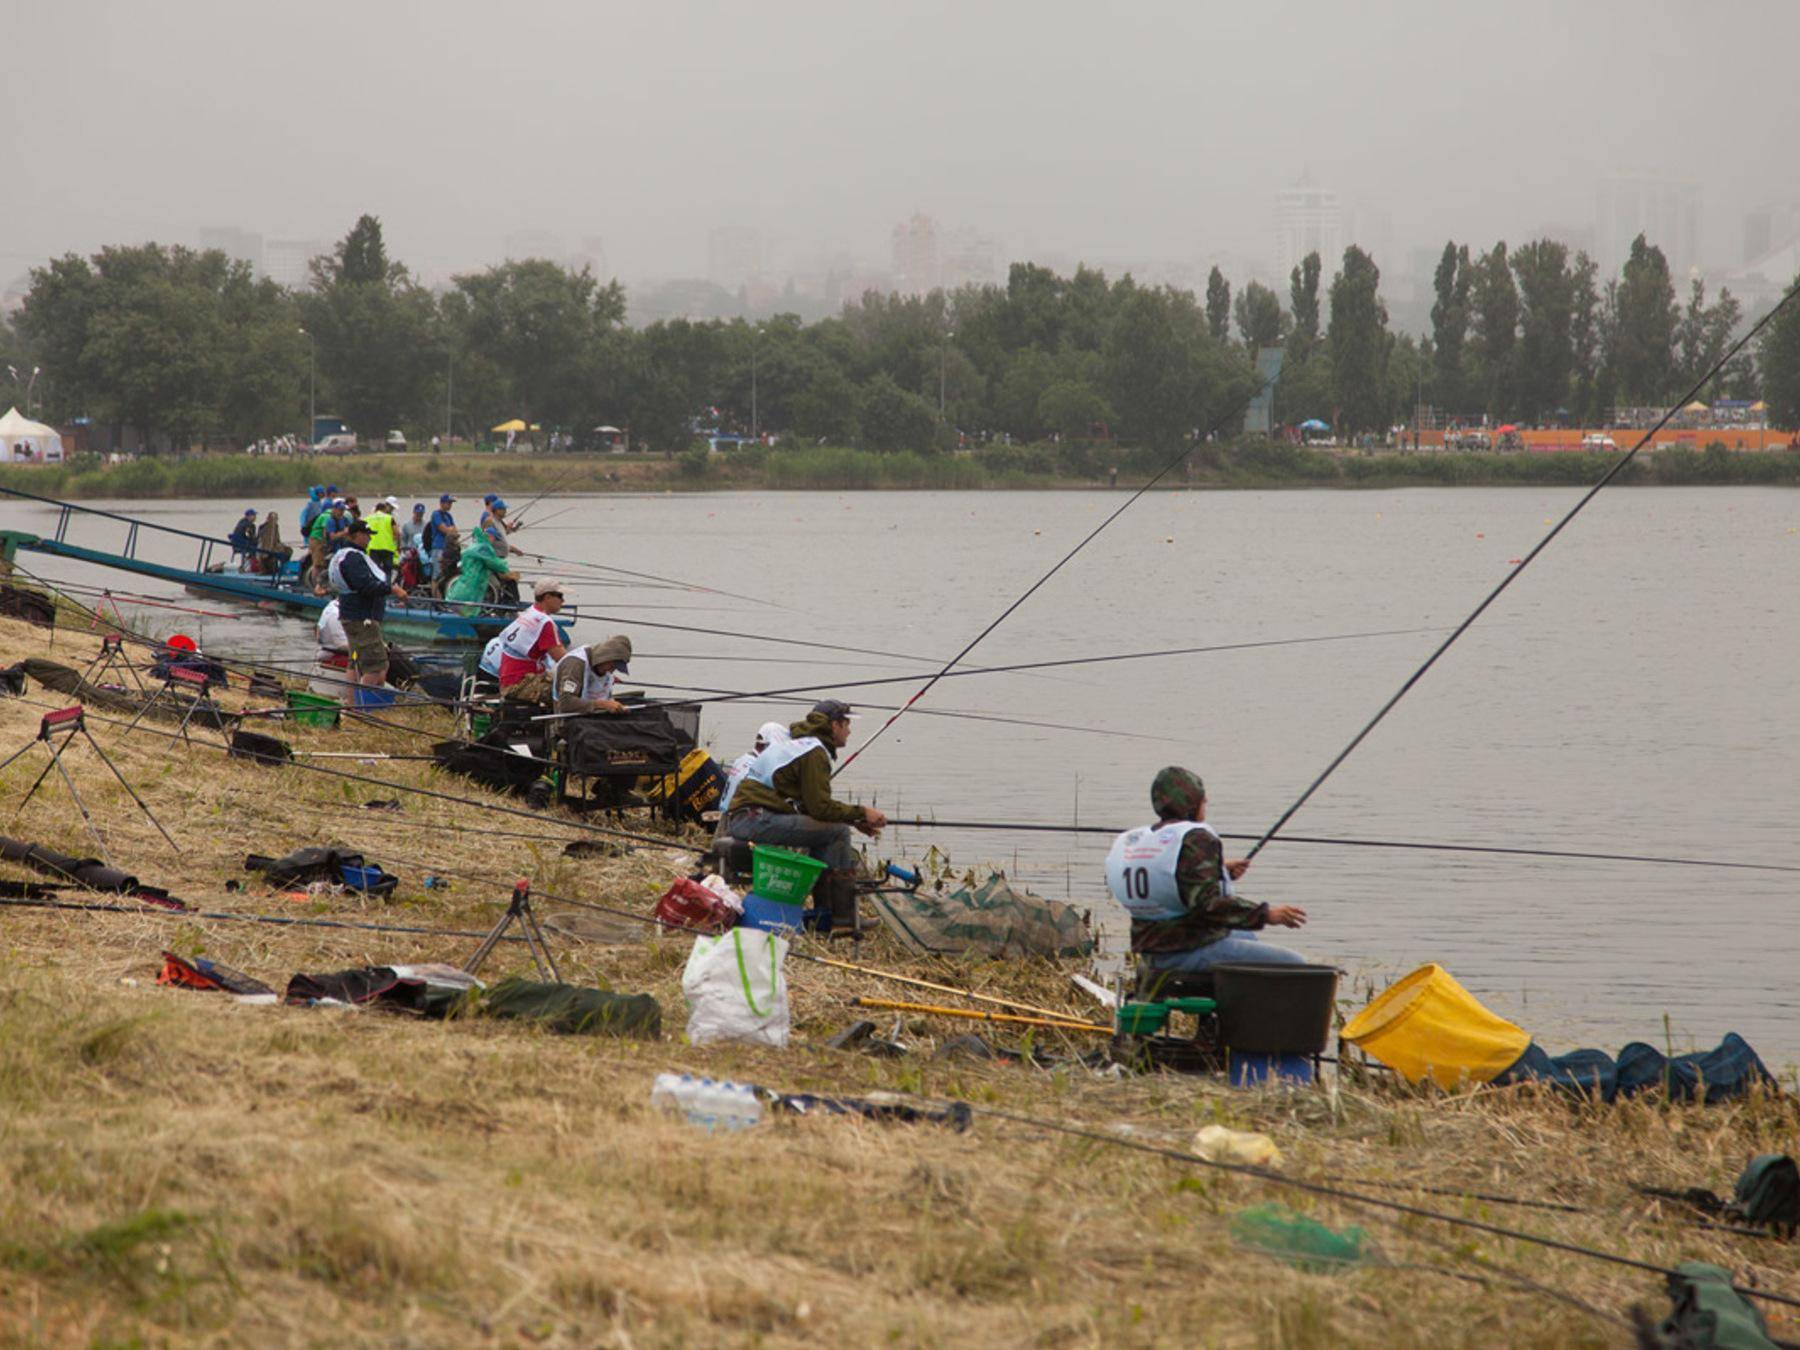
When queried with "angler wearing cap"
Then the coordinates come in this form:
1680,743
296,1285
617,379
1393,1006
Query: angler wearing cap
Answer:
383,546
784,798
769,733
584,678
1174,881
362,589
243,540
531,647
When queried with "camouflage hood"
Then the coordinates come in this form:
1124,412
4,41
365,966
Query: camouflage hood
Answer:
1176,793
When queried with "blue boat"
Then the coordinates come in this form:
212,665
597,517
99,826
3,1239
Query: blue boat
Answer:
438,620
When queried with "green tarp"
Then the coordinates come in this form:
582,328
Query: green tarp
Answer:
991,919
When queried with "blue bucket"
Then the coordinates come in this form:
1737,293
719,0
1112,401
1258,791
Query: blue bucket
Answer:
770,915
375,696
1249,1069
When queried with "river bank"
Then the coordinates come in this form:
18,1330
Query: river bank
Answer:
830,468
180,1164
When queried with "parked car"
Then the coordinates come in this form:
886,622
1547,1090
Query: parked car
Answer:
396,440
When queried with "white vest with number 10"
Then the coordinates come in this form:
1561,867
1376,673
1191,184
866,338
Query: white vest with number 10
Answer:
1140,869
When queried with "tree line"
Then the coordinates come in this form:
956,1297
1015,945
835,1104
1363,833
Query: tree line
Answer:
191,347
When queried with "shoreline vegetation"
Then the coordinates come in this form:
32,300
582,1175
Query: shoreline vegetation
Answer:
181,1167
1243,465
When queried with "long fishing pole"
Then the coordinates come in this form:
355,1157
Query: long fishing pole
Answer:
1168,468
729,696
1514,573
650,576
280,920
1332,841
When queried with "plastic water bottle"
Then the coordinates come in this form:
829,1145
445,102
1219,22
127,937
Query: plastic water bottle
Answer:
713,1105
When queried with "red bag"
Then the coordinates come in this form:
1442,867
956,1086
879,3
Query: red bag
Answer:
688,904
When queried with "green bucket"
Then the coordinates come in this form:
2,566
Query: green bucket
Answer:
312,710
782,875
479,724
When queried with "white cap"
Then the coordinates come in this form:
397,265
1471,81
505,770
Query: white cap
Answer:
391,501
546,584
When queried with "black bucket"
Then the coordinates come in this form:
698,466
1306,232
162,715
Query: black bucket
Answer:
1275,1010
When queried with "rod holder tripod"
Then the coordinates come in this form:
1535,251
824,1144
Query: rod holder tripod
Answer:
196,698
112,660
55,733
519,912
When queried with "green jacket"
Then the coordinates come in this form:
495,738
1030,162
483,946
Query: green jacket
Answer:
479,562
804,785
1211,914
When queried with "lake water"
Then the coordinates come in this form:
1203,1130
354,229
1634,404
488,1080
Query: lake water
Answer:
1632,693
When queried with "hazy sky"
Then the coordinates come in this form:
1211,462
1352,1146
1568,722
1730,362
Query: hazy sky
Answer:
1118,130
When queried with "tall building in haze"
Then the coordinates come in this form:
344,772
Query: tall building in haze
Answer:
1666,211
288,262
242,245
916,255
1308,219
734,255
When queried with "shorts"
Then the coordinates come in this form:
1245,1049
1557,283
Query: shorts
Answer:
534,688
368,649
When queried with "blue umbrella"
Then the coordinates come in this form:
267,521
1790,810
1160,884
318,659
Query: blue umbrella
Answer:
1314,424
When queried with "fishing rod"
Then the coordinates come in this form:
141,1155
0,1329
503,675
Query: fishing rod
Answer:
728,696
136,599
1514,573
651,576
1232,411
1331,841
281,920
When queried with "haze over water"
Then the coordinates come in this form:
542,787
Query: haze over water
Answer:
1631,693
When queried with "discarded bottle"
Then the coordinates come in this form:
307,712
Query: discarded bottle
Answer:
714,1105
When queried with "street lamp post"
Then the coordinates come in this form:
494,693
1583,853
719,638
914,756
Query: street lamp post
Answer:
943,356
755,340
30,385
312,401
449,389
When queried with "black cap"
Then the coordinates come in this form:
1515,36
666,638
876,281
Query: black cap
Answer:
834,708
358,526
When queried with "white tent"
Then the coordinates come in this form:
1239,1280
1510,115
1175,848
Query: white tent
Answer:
25,441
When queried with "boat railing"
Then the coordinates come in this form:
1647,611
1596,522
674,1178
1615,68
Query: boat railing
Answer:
66,512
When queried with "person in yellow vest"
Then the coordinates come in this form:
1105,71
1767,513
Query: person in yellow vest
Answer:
383,545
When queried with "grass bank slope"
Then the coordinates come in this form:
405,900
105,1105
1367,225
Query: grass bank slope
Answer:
177,1166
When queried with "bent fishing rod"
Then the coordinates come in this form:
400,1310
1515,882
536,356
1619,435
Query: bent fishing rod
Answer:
1516,572
1232,410
1337,841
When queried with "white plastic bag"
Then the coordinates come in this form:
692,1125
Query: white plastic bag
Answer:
718,886
736,989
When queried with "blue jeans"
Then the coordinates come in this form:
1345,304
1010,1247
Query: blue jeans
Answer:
1245,947
829,843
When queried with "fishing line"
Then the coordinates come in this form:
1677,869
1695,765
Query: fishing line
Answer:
651,576
1514,573
728,696
1338,842
1333,1192
1233,410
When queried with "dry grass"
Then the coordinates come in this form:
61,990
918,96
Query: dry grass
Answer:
177,1165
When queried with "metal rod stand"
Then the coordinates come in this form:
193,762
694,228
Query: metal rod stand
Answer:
520,912
66,724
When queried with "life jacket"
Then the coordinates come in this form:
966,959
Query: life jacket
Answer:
777,757
381,532
1140,869
593,687
521,635
336,570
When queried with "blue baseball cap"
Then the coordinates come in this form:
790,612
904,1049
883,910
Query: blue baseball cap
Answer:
446,498
316,491
331,487
418,506
496,504
489,497
249,511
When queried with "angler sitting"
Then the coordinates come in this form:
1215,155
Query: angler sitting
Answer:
531,647
1174,881
584,678
243,541
769,733
333,657
785,798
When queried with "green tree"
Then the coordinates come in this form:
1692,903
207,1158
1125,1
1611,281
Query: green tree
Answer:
1358,341
894,419
1643,332
1218,306
1778,364
1073,409
1584,339
1450,326
1303,295
1494,324
1546,353
1259,315
1702,336
376,333
1164,375
824,408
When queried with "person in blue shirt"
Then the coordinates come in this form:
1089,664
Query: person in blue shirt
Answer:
363,589
243,539
440,529
315,503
